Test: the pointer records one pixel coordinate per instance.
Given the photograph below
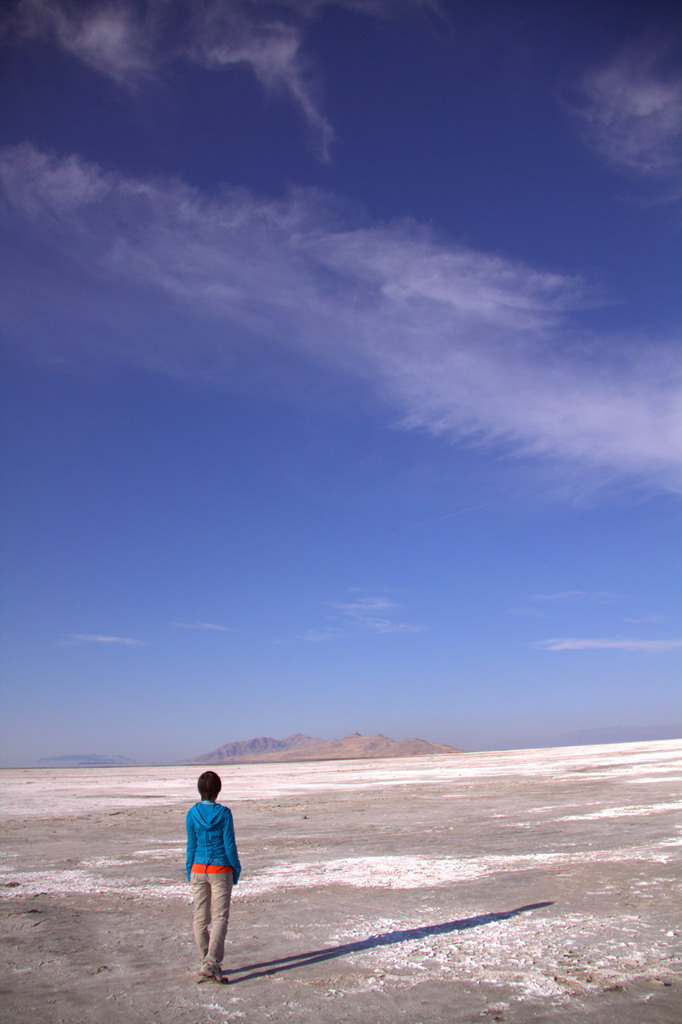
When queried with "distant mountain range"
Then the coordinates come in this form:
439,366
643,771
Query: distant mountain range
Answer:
621,734
67,760
305,748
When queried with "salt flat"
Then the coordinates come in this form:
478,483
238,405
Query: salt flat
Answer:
517,886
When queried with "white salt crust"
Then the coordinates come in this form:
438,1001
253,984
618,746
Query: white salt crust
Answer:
537,954
51,792
624,812
418,872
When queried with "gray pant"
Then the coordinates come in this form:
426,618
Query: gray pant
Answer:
211,913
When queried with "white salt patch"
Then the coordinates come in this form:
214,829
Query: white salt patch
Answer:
138,855
420,872
656,778
159,854
63,883
623,812
105,862
397,872
555,807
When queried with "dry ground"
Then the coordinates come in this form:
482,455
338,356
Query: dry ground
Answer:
516,887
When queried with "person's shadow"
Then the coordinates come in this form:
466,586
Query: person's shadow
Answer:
316,956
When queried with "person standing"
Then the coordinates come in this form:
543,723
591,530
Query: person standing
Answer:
212,867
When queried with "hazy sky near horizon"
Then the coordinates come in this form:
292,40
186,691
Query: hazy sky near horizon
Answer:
342,371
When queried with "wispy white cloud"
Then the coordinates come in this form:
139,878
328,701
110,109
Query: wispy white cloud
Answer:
473,347
59,187
563,597
632,115
364,606
636,646
379,625
320,636
226,35
596,596
531,613
211,626
363,614
130,41
133,40
97,638
116,39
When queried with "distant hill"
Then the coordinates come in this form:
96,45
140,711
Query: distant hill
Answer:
305,748
622,734
66,760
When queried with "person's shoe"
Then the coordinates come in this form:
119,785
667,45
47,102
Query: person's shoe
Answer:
211,972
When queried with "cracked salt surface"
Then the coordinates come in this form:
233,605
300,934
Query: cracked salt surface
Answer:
537,957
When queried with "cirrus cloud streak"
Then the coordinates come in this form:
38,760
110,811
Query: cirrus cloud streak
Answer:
98,638
475,347
210,626
596,644
133,42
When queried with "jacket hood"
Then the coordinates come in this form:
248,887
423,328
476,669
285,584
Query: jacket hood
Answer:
208,816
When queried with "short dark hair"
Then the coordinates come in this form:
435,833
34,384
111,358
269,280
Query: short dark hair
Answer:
209,785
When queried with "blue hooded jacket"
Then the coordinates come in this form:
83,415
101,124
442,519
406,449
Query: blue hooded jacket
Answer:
210,838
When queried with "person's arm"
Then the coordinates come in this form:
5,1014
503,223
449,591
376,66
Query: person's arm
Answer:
231,846
191,847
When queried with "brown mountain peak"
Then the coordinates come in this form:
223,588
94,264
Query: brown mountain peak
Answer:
299,747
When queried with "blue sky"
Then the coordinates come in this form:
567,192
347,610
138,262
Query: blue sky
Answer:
341,371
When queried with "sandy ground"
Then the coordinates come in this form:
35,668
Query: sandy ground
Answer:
525,886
